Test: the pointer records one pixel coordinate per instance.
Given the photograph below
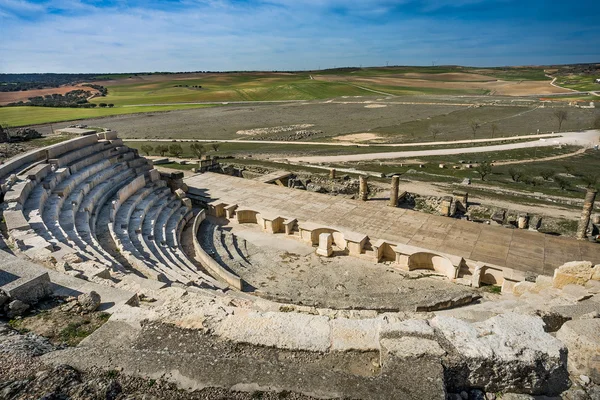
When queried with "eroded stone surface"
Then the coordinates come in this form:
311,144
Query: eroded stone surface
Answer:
582,337
508,352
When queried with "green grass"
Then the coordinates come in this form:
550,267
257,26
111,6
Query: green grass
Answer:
24,116
581,83
75,331
587,163
226,87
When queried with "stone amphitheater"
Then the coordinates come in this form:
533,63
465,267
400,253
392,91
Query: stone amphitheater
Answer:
218,281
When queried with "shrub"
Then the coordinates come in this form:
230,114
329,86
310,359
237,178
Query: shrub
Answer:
147,149
176,150
161,149
515,174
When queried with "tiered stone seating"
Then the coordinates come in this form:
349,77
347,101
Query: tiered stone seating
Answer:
92,201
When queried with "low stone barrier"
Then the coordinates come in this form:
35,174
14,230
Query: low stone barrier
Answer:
213,266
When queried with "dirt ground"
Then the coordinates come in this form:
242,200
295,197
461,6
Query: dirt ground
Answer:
497,87
12,97
357,137
398,122
289,270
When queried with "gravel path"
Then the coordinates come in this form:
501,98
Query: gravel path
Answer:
585,139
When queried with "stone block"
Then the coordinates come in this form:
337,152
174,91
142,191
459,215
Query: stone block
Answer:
21,282
275,329
393,328
411,347
325,245
596,273
575,272
542,282
582,338
39,172
15,220
495,353
354,334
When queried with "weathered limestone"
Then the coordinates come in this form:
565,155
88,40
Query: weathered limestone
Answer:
575,272
588,206
280,330
508,352
213,266
363,191
325,245
582,337
21,282
461,200
523,221
394,191
446,206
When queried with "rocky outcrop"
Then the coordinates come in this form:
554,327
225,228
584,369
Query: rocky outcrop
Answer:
582,337
575,272
89,302
508,353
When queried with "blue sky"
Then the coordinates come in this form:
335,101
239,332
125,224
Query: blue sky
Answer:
191,35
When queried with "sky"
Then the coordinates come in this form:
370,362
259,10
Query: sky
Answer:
233,35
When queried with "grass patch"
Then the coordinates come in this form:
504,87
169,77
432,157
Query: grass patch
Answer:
580,83
75,331
26,115
492,289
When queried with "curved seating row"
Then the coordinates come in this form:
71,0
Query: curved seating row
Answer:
93,202
144,230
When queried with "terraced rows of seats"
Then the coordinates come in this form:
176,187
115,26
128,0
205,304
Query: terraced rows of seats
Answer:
97,206
227,249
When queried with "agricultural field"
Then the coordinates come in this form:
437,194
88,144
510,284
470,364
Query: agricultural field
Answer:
386,121
127,91
579,82
28,115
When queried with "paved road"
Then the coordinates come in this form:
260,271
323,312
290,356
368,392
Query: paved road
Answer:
585,139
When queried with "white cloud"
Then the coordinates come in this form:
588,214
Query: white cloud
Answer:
275,34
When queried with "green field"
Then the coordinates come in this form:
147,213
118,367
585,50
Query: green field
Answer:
581,83
224,87
22,116
171,91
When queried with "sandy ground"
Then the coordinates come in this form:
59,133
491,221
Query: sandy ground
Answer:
498,87
357,137
289,270
11,97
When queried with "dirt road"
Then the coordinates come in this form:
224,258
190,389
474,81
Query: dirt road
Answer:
585,139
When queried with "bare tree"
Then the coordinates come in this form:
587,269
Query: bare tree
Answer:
215,146
483,169
493,128
475,125
561,116
435,130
